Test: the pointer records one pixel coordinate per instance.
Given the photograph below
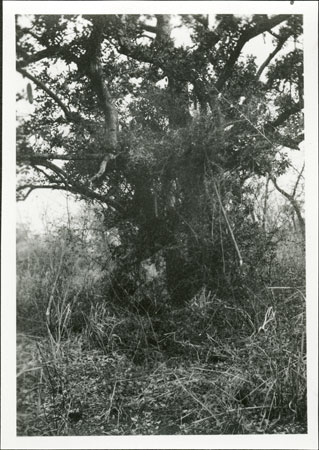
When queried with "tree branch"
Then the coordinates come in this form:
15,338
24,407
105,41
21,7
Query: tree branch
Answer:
49,177
29,59
146,54
49,165
260,27
288,141
163,29
91,63
54,156
76,189
99,83
43,160
277,49
149,28
273,34
103,166
71,116
202,19
293,203
298,179
282,117
73,186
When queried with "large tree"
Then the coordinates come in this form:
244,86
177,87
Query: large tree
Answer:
164,135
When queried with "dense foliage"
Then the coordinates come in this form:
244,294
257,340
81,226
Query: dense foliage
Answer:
216,365
171,139
180,130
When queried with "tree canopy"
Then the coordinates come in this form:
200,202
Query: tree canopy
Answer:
164,135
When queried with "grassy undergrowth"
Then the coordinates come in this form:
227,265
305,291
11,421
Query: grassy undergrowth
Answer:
137,375
88,364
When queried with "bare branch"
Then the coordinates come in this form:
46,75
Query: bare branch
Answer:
297,181
54,156
47,176
73,186
277,49
264,24
293,202
273,34
103,166
76,189
31,187
38,186
265,205
49,165
74,117
228,225
42,54
43,160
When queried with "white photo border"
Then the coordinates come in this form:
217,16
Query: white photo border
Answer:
9,440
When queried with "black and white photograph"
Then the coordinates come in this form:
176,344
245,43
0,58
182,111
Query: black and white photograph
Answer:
161,159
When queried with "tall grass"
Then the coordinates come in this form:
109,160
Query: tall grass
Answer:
216,365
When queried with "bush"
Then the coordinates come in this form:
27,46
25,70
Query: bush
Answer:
57,273
225,361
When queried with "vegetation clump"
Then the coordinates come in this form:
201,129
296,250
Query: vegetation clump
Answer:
175,302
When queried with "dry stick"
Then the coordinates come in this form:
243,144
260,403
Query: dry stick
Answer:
293,202
212,211
28,370
195,398
281,287
265,203
299,367
221,244
39,400
51,383
108,412
244,116
298,179
248,408
302,295
212,227
228,225
189,226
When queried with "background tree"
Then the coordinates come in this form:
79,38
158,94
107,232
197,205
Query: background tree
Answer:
166,137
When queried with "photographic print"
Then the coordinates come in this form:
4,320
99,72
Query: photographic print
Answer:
160,222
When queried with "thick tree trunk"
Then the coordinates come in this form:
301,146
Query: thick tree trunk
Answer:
178,112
